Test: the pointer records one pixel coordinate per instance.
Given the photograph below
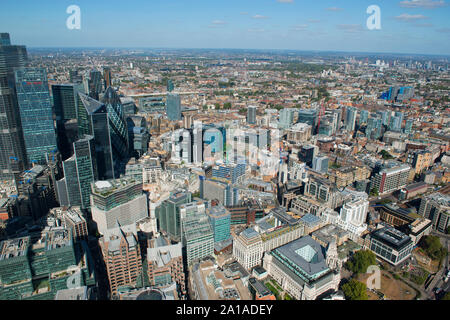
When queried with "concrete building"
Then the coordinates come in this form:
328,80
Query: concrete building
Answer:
391,245
220,219
120,200
390,179
436,207
301,268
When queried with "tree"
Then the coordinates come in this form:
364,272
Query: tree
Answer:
448,230
227,105
361,260
355,290
374,192
433,247
447,296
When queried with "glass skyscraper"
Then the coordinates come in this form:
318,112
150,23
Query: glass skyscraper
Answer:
363,117
12,144
173,106
36,113
350,119
66,100
80,172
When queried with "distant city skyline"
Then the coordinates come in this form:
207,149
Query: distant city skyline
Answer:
409,26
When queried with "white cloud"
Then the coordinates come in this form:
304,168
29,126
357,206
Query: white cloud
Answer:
258,16
428,4
219,22
285,1
350,27
410,17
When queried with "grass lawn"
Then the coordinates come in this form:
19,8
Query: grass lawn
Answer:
392,288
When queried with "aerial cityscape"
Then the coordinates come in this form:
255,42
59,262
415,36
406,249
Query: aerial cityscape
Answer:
279,151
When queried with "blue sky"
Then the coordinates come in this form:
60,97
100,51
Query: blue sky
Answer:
407,26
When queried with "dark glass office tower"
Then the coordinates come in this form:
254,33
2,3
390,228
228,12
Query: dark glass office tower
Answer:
79,173
93,120
66,100
12,145
36,113
173,106
93,84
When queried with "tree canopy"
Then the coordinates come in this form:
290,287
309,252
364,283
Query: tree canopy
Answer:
355,290
433,247
361,260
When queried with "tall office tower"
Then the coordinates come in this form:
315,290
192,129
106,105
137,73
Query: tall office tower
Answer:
320,164
337,116
12,144
286,118
118,125
220,219
79,172
121,200
436,207
390,179
363,117
93,83
395,124
309,116
66,100
38,265
75,77
307,154
165,264
170,85
197,145
408,125
93,119
251,115
373,129
350,119
122,257
197,237
385,116
173,106
107,76
168,214
138,136
36,113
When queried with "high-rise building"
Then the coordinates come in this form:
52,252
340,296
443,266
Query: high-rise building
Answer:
408,125
350,119
197,237
286,118
173,106
231,172
373,129
12,144
93,83
36,113
106,123
121,200
363,116
107,76
251,115
307,154
309,116
353,215
220,219
122,256
66,100
138,135
79,173
168,214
